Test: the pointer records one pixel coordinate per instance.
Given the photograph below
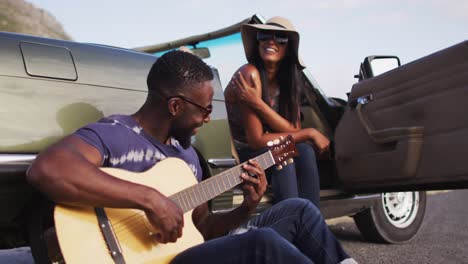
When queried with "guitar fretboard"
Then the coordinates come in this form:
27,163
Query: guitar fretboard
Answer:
206,190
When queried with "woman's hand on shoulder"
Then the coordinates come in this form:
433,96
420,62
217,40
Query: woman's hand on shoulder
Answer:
248,85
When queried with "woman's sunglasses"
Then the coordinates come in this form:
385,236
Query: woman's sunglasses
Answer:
280,38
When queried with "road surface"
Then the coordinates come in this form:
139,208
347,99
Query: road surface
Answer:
443,237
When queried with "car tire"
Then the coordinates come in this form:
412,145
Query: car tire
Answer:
395,218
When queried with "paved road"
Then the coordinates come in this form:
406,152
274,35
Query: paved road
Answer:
443,237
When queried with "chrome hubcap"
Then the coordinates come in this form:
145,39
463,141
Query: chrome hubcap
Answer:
400,208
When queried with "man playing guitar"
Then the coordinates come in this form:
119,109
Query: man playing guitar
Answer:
178,103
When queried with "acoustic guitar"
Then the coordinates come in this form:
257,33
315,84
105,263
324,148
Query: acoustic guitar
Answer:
110,235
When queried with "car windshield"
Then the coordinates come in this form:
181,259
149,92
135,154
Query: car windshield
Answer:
226,55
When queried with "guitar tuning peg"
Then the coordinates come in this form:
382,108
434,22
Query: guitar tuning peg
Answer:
270,143
279,167
285,163
290,160
276,141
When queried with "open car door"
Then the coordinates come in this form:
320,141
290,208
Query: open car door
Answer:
408,128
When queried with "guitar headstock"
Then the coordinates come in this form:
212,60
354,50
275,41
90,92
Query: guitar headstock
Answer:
283,151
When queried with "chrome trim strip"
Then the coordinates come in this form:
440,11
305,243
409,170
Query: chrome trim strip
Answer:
365,196
15,158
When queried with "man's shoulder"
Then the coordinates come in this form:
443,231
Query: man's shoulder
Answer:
110,126
122,121
115,119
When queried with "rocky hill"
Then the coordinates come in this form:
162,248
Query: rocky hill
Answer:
23,17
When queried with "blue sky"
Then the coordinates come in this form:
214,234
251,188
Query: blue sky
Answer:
335,35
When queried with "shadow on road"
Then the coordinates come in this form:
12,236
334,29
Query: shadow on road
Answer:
347,232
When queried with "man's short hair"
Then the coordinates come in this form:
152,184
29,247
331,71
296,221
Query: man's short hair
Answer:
176,71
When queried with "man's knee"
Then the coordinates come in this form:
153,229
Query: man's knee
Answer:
301,205
273,248
264,236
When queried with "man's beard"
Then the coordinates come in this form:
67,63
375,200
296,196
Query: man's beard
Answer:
185,142
183,136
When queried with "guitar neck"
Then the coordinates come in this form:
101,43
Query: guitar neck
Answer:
206,190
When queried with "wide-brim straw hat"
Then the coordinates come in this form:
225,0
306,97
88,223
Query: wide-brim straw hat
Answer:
249,37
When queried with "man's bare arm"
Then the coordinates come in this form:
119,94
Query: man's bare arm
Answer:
68,173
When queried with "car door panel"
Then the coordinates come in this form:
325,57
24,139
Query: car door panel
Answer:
408,126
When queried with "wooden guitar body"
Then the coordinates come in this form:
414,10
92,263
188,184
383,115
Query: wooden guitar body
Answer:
80,237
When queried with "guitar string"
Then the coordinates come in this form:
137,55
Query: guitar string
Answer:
132,224
134,213
129,220
128,224
189,202
132,229
125,222
135,245
135,217
136,224
131,243
137,227
139,245
140,230
136,230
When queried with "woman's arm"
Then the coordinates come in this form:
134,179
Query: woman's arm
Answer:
252,118
248,90
256,136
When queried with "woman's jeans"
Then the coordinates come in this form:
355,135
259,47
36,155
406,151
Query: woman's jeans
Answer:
299,179
291,231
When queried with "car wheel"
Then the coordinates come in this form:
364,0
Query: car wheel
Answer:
394,218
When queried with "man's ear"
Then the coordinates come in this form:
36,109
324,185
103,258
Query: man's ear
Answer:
173,106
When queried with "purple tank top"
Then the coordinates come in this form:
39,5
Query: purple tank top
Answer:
124,144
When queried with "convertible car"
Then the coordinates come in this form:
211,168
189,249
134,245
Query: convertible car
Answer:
401,131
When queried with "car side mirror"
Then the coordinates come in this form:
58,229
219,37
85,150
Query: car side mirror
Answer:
376,65
381,64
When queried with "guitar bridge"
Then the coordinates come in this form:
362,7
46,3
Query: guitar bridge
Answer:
109,236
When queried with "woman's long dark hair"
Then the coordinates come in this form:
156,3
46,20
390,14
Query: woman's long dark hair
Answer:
290,85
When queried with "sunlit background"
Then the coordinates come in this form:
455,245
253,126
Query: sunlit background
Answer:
335,35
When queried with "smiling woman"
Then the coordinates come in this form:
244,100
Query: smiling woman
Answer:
263,101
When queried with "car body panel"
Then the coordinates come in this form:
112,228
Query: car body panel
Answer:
37,111
410,127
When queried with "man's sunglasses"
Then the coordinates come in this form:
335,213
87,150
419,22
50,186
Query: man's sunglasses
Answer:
280,38
206,111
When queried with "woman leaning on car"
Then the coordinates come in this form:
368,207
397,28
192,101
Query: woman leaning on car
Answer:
263,100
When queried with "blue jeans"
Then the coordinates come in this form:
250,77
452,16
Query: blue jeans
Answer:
292,231
299,179
21,255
